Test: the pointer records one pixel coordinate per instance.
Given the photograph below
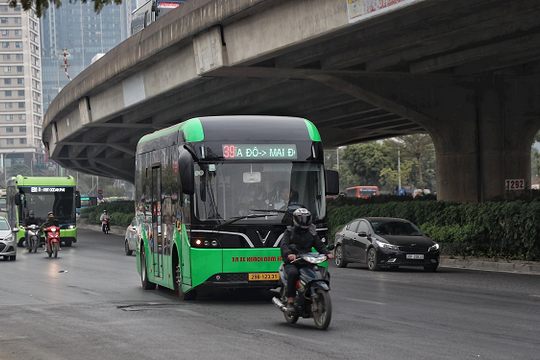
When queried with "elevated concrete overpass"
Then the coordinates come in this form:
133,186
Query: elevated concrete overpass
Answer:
464,71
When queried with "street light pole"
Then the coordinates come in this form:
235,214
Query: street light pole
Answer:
399,170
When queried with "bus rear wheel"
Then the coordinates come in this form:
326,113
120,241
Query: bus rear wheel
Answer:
145,282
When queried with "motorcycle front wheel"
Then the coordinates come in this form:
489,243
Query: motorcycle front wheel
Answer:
35,244
55,249
322,309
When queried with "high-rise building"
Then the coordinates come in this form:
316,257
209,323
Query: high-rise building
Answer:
83,33
21,108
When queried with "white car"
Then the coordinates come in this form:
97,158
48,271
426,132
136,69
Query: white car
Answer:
8,241
130,240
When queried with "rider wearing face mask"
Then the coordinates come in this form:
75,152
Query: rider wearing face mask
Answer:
299,240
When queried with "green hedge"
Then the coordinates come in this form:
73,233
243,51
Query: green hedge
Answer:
121,212
491,229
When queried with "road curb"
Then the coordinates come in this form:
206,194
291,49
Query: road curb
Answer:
531,268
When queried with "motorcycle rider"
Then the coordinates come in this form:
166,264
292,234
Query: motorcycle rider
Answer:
105,217
51,221
299,240
27,221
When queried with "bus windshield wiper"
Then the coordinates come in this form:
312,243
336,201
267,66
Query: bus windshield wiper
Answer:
238,218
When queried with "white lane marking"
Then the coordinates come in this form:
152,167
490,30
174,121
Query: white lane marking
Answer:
289,336
366,301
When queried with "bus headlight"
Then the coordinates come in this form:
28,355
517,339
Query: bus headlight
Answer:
206,243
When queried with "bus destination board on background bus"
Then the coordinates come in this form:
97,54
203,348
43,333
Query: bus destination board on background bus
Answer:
259,151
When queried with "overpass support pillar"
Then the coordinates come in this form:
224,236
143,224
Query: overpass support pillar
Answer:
488,143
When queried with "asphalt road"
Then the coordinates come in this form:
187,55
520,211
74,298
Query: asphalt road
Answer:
88,304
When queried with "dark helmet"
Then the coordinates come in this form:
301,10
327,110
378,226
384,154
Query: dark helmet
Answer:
31,212
302,218
50,213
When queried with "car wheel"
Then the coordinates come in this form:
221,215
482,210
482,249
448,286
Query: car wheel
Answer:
432,268
338,257
372,260
126,248
13,258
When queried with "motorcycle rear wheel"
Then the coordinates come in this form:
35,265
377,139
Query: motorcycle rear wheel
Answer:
289,318
323,306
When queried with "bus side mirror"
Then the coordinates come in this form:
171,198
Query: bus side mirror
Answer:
77,199
187,170
332,182
17,199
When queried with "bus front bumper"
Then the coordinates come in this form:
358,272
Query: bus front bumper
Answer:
238,280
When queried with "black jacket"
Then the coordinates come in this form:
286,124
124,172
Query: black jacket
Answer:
30,221
296,241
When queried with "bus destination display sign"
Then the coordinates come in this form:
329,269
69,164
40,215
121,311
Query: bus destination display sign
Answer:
259,151
42,189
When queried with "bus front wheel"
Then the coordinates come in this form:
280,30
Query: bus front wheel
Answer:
190,295
146,284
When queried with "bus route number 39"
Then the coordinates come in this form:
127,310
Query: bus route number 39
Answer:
263,276
514,184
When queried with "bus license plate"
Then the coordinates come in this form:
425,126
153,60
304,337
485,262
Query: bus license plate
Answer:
263,276
415,256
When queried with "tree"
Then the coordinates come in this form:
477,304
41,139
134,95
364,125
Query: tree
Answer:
417,146
41,5
19,169
361,164
389,177
114,191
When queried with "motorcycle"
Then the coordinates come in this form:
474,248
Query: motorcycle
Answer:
105,226
52,241
312,298
33,238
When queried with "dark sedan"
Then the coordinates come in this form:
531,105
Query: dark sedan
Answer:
385,242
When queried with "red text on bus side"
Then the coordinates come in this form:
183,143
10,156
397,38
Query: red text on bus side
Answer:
256,258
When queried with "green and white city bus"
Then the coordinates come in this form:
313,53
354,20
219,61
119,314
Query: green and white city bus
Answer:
194,181
44,194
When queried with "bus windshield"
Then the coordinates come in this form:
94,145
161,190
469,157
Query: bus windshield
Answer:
225,190
59,200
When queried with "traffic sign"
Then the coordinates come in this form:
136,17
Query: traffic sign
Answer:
100,192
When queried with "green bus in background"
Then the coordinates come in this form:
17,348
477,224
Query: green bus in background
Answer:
44,194
207,197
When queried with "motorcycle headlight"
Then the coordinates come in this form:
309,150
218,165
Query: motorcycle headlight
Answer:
314,259
434,247
384,245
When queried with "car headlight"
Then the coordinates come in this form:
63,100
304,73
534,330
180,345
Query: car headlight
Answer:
434,247
71,227
9,237
384,245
